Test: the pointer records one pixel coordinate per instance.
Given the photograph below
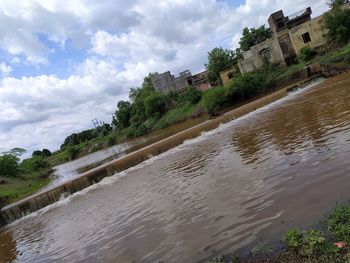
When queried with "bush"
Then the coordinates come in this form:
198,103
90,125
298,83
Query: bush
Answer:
305,243
155,105
191,95
337,23
307,53
34,164
136,130
9,166
214,100
339,224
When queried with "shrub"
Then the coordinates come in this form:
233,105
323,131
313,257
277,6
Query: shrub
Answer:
305,243
9,166
136,130
191,95
155,105
34,164
339,223
214,100
337,23
307,53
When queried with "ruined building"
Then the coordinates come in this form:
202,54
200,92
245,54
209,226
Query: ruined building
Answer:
166,82
289,35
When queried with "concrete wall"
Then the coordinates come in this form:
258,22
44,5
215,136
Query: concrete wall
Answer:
253,58
226,75
164,82
316,31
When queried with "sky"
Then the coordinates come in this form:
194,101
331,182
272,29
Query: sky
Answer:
66,62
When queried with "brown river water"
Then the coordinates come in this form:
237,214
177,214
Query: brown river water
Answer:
243,183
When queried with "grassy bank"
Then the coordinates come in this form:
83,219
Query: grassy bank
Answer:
329,242
19,179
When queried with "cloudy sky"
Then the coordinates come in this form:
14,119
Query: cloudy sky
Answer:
66,62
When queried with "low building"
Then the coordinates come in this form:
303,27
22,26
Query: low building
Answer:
310,33
228,74
268,51
289,35
199,81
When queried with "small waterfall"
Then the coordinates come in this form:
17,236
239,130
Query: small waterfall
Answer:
37,201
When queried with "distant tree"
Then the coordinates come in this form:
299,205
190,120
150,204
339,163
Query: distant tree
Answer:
9,162
155,105
219,59
123,114
37,153
337,22
253,36
46,153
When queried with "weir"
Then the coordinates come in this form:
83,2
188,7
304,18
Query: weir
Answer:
37,201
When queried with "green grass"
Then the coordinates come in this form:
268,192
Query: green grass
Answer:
335,56
18,188
177,115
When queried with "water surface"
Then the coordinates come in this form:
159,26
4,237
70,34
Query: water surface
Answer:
247,181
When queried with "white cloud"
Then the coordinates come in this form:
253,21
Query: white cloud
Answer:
5,70
124,40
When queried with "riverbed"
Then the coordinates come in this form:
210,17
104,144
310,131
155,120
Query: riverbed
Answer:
245,182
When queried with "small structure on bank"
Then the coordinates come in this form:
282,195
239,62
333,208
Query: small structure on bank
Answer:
228,74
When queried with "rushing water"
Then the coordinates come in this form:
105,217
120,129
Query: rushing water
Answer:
249,180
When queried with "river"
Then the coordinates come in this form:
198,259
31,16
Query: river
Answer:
245,182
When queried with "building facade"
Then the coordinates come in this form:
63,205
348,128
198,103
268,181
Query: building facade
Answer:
228,74
289,35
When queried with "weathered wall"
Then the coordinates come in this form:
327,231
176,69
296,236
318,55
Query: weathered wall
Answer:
253,58
316,31
226,75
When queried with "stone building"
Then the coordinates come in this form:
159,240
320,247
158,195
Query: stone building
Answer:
166,82
289,35
199,81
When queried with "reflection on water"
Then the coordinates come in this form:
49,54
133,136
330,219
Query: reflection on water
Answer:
249,180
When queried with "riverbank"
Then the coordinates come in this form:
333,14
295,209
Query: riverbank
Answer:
241,90
329,241
51,195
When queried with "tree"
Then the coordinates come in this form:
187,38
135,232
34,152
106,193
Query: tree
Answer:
253,36
9,162
191,95
123,114
337,22
219,59
155,105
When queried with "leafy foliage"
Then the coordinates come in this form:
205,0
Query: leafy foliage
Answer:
219,59
305,243
191,95
214,100
339,223
9,165
43,153
122,115
337,22
307,53
155,105
253,36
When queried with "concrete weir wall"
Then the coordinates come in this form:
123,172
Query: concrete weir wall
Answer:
37,201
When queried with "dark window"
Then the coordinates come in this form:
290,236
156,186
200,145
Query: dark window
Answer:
230,75
285,48
306,37
266,54
280,22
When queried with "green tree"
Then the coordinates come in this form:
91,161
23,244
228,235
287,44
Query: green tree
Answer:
191,95
253,36
219,59
337,22
9,164
155,105
122,115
